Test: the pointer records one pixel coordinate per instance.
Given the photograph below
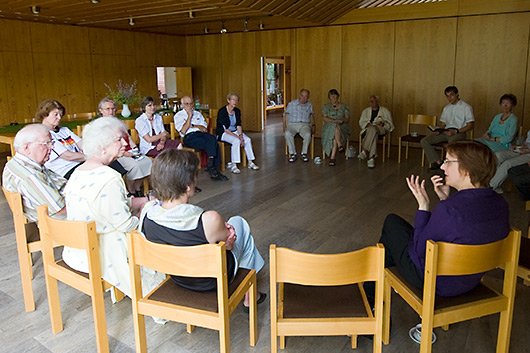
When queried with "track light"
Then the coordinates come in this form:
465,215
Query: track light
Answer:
245,25
191,14
261,26
94,1
35,9
131,21
206,30
223,29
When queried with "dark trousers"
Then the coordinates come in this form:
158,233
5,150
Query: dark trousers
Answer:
205,142
520,176
395,238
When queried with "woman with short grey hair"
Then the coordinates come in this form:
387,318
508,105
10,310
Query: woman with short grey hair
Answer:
97,192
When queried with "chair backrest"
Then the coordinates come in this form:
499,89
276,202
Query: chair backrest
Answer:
80,116
420,119
131,129
290,266
213,120
192,261
167,118
448,259
79,130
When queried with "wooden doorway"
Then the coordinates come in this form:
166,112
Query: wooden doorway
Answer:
275,85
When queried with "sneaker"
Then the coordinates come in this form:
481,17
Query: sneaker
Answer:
304,157
235,169
159,320
362,155
371,163
292,158
228,165
252,165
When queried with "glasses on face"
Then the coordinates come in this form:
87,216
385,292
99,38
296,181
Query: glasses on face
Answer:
48,144
187,103
447,161
110,108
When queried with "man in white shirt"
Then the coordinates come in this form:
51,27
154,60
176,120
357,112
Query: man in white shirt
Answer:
457,118
299,119
192,126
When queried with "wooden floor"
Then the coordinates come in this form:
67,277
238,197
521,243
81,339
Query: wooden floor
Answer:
303,206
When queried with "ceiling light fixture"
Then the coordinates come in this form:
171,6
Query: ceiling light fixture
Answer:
94,1
191,14
131,21
35,9
261,26
206,30
223,29
245,25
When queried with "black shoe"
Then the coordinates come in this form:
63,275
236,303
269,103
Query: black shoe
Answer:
304,157
262,297
139,193
214,174
435,166
292,158
197,189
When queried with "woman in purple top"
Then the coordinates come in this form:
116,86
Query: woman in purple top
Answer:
474,215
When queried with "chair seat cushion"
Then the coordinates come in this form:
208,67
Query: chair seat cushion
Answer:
410,138
172,293
479,293
322,302
63,264
524,254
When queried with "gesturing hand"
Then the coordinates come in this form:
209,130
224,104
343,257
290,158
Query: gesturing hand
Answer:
418,190
439,188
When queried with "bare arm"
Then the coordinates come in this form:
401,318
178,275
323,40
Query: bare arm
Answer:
73,156
216,229
187,123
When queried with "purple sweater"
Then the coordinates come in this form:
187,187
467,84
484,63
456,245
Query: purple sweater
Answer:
472,216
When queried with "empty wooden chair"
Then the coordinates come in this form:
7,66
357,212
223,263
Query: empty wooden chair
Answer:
172,302
415,119
447,259
322,295
28,242
61,232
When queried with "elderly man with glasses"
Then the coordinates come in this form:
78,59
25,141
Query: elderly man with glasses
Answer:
192,126
25,173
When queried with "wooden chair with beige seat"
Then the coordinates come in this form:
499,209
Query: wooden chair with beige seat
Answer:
28,242
447,259
172,302
322,295
415,119
59,232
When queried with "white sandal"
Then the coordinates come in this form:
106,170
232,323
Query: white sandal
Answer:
252,165
235,169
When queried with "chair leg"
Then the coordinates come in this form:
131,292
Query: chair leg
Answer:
224,337
445,327
426,335
223,156
399,150
282,342
505,326
526,283
190,328
387,296
146,185
312,146
100,324
118,294
243,158
26,275
422,158
353,341
54,304
347,149
139,331
388,145
407,151
253,316
384,140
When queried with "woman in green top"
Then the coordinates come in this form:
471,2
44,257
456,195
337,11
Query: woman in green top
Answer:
336,129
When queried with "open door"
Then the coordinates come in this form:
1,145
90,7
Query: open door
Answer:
275,84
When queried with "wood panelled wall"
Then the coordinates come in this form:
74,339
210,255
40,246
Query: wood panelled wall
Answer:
71,64
407,63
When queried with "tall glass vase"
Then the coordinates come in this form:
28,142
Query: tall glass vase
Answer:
125,111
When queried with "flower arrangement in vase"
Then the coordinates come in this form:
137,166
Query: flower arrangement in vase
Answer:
124,94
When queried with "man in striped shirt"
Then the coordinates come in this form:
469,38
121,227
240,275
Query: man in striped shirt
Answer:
25,173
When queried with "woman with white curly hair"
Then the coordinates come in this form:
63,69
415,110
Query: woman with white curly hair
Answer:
97,192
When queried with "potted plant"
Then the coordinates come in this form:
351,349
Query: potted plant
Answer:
124,94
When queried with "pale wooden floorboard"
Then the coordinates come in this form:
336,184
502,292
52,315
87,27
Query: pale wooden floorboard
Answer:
303,206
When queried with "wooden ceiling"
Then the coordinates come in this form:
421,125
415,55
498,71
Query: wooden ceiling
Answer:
188,17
